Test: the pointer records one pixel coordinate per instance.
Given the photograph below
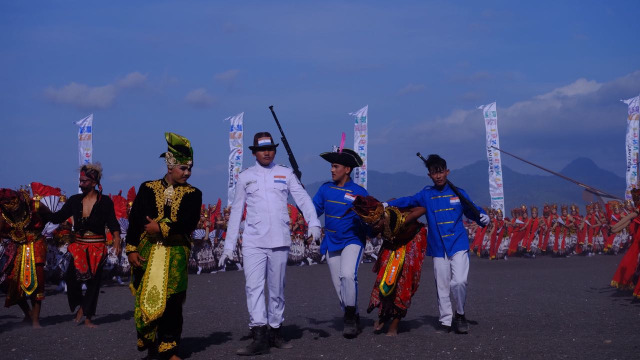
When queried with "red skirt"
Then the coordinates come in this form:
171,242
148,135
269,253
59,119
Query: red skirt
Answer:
396,304
87,257
623,277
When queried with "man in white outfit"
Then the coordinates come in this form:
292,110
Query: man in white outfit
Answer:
264,189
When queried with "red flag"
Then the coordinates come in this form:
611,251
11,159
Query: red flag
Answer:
216,211
44,190
131,194
120,206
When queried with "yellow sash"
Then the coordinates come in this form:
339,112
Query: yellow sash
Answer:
28,278
153,297
391,272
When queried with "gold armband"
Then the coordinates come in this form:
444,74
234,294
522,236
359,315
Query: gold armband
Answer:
164,229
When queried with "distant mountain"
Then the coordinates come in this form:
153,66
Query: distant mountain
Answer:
519,188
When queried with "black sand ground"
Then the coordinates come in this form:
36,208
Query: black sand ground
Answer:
548,308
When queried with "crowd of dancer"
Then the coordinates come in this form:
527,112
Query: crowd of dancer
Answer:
528,233
208,242
156,236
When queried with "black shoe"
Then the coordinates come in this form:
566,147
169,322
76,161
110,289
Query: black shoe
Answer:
260,343
276,340
350,322
443,329
461,325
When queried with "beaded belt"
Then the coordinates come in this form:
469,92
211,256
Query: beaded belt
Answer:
90,237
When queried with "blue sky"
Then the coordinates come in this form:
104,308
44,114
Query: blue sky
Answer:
557,70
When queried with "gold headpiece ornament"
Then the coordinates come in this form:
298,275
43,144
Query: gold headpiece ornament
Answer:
391,221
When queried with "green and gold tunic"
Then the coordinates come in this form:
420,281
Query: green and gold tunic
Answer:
163,276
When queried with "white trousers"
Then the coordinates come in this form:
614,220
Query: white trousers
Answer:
343,265
451,278
262,264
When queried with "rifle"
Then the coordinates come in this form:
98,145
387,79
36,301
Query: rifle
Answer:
465,202
588,189
292,159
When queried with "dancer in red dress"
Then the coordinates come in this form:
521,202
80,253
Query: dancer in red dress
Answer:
625,273
21,221
521,225
546,224
578,228
532,232
497,234
399,264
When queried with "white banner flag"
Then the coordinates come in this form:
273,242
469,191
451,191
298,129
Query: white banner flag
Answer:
85,140
360,140
632,144
235,154
496,190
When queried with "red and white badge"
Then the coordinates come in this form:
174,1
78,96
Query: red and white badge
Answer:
454,200
349,197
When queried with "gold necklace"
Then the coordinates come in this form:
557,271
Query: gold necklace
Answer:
17,232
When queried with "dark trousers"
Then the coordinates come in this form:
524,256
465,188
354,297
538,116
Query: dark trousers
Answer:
88,301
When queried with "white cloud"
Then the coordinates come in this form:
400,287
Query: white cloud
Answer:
132,80
579,87
82,96
227,76
582,118
200,98
411,88
581,106
87,97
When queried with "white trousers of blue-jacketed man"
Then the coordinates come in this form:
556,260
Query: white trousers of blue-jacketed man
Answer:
451,279
343,265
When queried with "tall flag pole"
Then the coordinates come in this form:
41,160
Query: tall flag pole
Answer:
496,189
235,153
360,140
632,144
85,140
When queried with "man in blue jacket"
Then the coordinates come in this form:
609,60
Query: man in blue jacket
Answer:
447,240
344,232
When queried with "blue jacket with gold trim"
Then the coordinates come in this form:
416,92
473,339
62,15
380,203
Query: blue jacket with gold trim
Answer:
340,230
446,232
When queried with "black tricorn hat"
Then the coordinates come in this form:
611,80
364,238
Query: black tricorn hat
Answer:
262,141
347,157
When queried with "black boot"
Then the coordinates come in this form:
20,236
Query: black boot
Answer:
276,340
350,322
260,343
461,325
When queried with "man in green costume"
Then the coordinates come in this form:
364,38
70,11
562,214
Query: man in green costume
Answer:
163,216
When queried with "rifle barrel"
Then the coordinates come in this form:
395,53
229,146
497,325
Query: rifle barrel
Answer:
589,188
285,143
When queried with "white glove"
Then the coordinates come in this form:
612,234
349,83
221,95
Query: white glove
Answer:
315,233
384,205
484,219
225,255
